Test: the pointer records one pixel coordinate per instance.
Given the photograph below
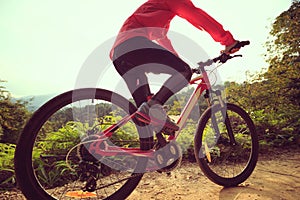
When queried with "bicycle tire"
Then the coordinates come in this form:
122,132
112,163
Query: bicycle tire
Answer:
224,155
28,180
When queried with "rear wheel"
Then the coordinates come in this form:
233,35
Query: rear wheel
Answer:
226,144
52,160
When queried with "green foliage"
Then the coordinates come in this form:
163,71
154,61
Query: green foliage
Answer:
61,141
273,96
127,133
6,155
7,178
176,103
53,174
13,115
50,151
186,140
52,146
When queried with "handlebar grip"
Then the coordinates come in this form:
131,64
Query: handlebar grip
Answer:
238,45
241,44
224,56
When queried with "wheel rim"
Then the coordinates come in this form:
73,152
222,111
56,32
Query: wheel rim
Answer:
218,156
61,132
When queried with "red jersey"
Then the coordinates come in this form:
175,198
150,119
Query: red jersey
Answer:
152,20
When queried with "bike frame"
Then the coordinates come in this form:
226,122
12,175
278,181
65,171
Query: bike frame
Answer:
202,84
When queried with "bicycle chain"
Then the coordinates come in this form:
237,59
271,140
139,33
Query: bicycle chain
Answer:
82,150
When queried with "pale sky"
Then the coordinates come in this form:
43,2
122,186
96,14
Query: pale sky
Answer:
43,44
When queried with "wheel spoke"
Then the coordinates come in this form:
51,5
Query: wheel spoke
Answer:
62,162
229,146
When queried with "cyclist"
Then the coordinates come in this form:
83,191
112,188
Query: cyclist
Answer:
142,46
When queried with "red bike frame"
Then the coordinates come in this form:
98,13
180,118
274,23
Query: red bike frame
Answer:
102,148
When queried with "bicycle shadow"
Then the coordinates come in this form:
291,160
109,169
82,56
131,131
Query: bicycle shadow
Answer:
243,192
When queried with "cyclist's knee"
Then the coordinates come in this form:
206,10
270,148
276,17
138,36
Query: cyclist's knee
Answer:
187,73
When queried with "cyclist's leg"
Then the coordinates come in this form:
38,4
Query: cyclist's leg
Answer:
133,62
127,63
144,55
137,83
166,62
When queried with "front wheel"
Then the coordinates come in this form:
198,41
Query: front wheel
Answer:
51,161
226,144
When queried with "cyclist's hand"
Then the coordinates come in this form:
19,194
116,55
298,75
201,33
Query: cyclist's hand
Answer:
231,48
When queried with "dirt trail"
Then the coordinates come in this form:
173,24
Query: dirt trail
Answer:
276,178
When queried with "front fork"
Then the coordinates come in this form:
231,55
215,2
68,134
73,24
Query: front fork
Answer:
210,100
218,99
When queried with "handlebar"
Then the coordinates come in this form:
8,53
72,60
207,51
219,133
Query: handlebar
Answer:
223,58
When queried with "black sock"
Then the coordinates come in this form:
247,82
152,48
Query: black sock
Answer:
162,95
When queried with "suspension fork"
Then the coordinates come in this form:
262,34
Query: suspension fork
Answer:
215,127
224,116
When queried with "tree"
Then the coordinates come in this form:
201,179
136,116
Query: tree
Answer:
13,115
282,79
284,52
273,97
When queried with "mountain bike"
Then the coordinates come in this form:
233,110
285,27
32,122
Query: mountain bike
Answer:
86,143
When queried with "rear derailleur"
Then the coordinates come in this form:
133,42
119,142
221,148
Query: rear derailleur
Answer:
90,168
89,173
